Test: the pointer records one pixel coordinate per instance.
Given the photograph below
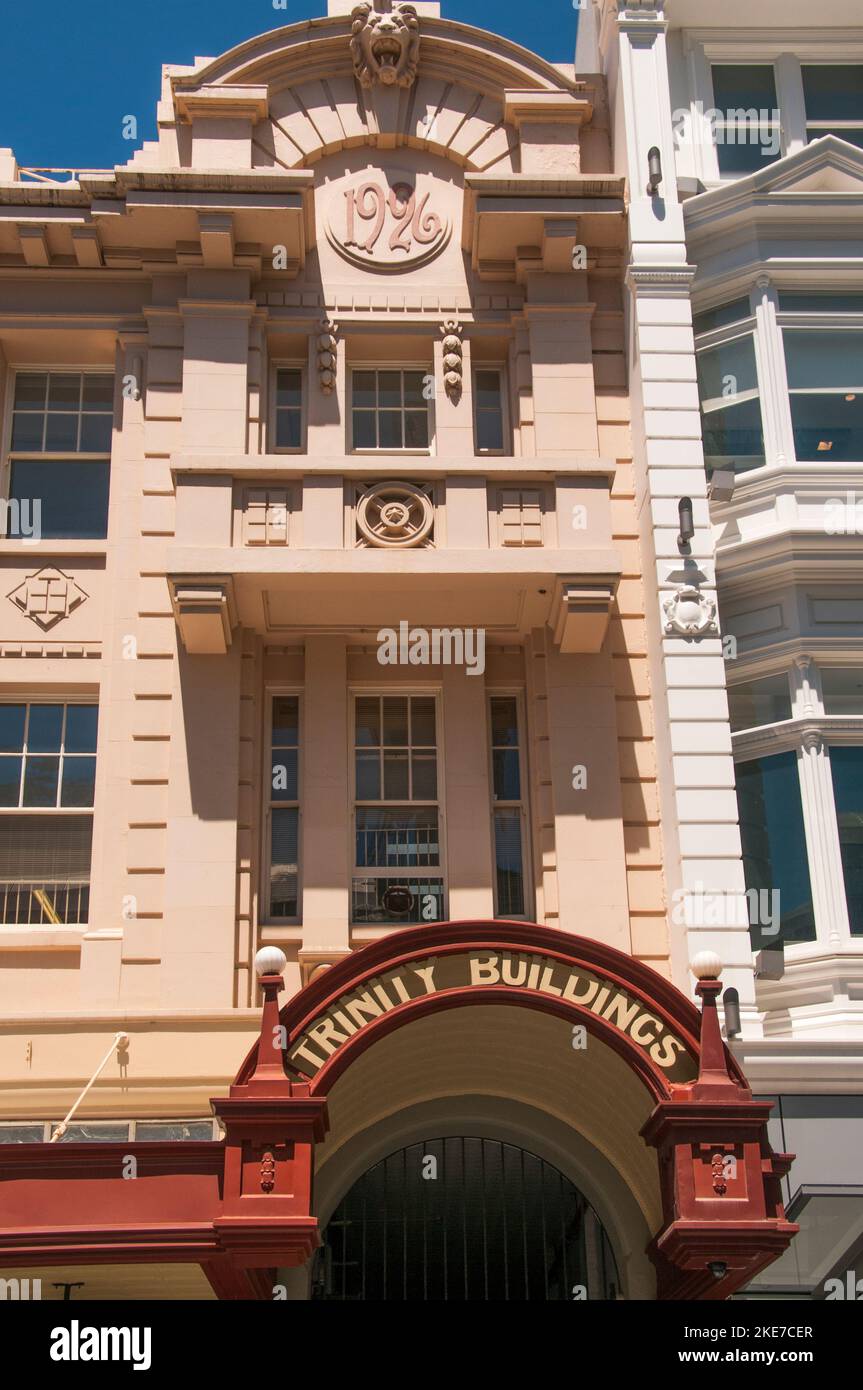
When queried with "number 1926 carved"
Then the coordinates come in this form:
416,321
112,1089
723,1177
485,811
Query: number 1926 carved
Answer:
387,227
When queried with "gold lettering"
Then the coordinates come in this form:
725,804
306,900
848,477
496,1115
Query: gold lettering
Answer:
365,1004
620,1005
599,1002
569,990
636,1031
484,970
545,983
512,974
426,974
667,1056
302,1050
327,1037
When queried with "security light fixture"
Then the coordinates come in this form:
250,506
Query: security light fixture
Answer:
718,1268
731,1005
654,169
687,523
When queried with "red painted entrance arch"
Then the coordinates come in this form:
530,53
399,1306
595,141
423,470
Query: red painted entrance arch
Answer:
603,983
244,1207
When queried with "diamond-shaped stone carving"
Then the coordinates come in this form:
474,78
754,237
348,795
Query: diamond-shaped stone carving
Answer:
48,596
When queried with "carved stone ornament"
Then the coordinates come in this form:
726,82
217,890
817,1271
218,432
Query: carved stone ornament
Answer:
268,1172
47,597
385,43
327,348
453,359
689,613
388,220
395,516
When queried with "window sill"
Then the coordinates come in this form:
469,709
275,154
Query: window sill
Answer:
14,937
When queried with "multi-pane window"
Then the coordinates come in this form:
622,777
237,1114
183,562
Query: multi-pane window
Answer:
398,868
747,132
774,848
825,386
798,745
508,809
289,408
833,93
284,808
488,409
59,453
47,764
390,409
846,766
728,388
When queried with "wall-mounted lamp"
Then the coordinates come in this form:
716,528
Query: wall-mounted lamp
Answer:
654,170
718,1268
687,523
731,1005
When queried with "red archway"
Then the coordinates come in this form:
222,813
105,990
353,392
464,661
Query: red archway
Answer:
245,1207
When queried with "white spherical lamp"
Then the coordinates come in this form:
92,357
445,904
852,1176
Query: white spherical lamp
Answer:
706,966
270,961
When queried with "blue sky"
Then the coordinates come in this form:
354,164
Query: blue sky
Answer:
100,60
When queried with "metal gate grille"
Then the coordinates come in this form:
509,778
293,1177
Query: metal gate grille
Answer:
464,1219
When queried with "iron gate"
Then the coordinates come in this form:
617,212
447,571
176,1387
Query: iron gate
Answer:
464,1219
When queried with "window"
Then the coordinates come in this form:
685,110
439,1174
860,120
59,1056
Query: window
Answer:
747,130
825,384
774,848
833,93
390,409
289,408
508,810
730,403
110,1131
47,763
398,875
488,410
846,766
59,453
766,701
842,689
284,808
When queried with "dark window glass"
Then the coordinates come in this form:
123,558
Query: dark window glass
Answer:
839,302
747,138
27,433
96,434
289,409
508,864
721,315
45,729
10,780
828,428
842,689
774,850
389,410
284,859
833,93
846,765
79,782
31,391
766,701
488,410
82,723
175,1131
12,721
73,496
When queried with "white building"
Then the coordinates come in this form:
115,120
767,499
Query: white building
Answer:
746,332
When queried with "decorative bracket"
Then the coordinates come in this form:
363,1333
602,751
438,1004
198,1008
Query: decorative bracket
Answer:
453,359
205,612
689,613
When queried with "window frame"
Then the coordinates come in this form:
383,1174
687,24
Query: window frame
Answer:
42,697
522,805
396,690
287,364
773,124
809,722
10,455
705,47
829,127
265,917
712,338
427,369
500,369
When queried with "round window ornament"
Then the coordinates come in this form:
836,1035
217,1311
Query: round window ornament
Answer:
397,900
395,515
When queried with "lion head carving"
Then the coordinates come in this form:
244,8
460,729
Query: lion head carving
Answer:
385,46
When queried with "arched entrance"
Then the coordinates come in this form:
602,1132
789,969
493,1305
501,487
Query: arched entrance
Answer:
464,1219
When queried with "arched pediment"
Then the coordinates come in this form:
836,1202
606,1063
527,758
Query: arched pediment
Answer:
301,95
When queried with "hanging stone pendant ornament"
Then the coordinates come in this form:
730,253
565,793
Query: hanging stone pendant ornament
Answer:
689,613
453,359
327,346
385,43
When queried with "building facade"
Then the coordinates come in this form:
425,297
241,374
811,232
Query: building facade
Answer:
751,241
344,631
